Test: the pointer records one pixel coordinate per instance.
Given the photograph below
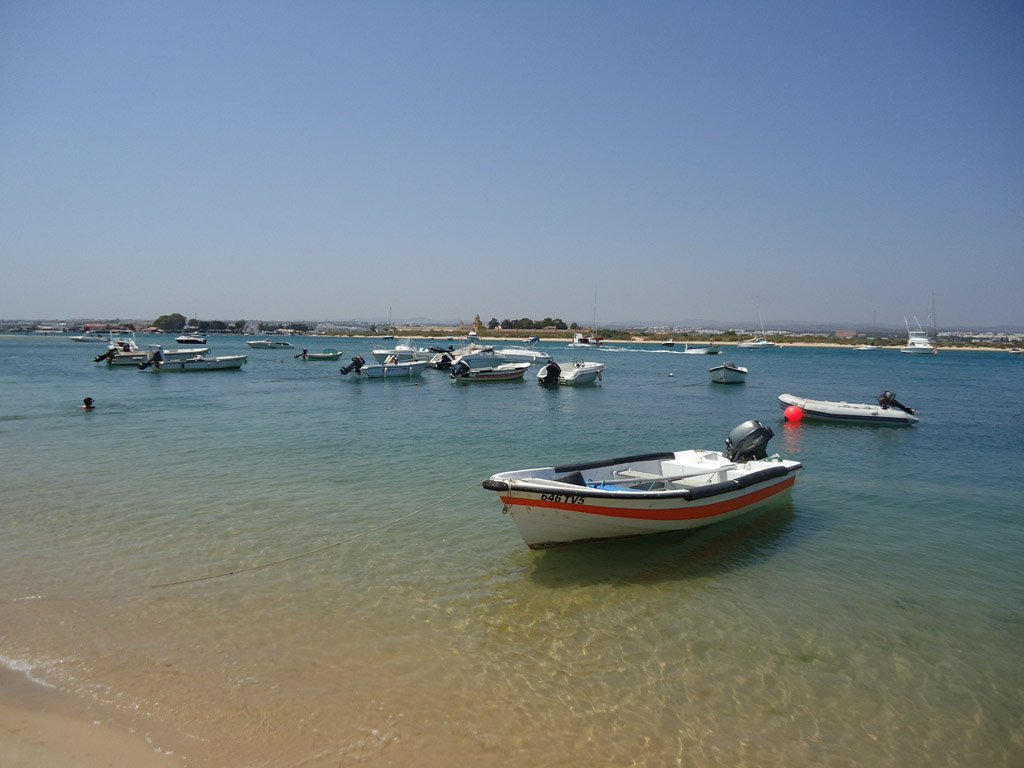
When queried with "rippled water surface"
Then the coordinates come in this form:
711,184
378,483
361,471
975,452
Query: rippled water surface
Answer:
874,620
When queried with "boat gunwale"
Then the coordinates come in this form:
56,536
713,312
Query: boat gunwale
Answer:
696,493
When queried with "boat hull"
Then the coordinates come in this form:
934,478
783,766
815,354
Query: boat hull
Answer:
850,413
393,370
139,356
504,372
728,374
577,374
231,362
694,489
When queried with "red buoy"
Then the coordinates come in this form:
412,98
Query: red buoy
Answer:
793,413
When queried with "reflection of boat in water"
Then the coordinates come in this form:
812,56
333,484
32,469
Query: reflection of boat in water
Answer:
572,374
888,410
728,373
649,493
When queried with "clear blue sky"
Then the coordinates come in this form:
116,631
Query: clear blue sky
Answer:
825,161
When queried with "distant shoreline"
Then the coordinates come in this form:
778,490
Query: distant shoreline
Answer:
461,338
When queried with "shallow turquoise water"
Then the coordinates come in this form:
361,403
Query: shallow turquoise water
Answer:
875,620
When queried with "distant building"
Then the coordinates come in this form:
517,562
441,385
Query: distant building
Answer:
845,334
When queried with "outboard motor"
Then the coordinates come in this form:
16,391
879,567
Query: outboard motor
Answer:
459,369
550,373
887,399
356,365
110,353
748,441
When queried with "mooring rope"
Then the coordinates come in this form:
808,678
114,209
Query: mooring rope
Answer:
318,549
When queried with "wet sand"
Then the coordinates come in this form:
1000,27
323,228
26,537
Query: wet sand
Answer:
43,728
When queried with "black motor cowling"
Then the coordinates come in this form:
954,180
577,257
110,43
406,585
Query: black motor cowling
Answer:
748,441
356,365
461,368
887,399
551,372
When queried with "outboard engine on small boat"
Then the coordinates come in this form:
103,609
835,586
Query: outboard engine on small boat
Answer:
748,441
356,365
110,353
550,373
887,399
461,368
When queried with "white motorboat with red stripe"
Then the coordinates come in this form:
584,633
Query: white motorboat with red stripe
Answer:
649,493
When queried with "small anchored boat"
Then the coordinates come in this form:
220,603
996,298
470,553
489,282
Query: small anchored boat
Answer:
461,371
390,369
578,372
270,344
133,355
190,338
648,493
728,373
197,363
888,410
327,354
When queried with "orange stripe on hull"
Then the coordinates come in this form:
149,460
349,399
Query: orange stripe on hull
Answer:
688,512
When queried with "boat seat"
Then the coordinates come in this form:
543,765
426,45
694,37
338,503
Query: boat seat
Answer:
633,474
571,478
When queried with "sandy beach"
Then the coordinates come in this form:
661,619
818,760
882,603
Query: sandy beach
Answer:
44,728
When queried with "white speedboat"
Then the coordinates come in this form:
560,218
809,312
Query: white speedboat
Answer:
649,493
668,343
476,356
196,363
888,411
401,352
190,338
523,355
867,347
570,374
386,370
728,373
462,372
104,336
270,344
327,354
700,348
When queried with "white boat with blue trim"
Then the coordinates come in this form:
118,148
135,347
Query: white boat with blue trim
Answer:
644,494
